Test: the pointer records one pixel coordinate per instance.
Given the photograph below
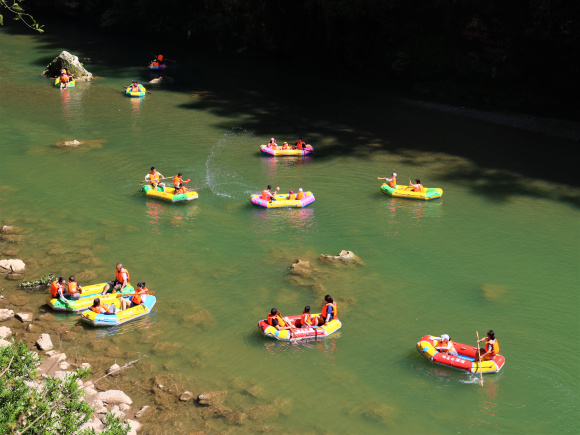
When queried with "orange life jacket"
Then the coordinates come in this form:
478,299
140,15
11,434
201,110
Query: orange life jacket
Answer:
417,189
334,310
154,177
73,287
54,288
64,78
134,88
181,190
306,319
278,317
441,346
177,180
120,274
492,348
299,145
160,57
300,195
266,195
136,299
292,197
99,309
393,182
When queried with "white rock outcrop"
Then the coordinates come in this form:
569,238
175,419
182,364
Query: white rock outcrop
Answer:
44,342
5,331
12,266
6,314
114,396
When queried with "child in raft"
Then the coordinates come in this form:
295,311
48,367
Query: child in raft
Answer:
137,299
105,309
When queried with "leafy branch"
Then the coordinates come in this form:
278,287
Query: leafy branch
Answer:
20,14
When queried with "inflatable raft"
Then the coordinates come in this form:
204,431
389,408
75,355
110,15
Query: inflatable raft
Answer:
399,191
140,93
299,333
282,202
88,295
71,84
119,317
159,67
465,361
168,195
291,152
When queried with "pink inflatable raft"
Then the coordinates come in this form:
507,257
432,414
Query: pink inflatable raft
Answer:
282,202
278,152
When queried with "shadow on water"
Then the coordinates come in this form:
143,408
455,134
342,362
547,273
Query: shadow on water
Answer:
486,151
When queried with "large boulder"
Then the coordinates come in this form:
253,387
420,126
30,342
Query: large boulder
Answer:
6,314
114,396
345,257
12,266
72,63
44,342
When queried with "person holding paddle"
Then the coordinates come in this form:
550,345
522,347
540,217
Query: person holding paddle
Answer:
178,184
154,178
490,349
137,299
391,181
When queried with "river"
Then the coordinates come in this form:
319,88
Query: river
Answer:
499,250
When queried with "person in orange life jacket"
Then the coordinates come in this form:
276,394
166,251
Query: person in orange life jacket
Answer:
120,281
57,290
272,143
267,195
446,345
300,194
491,348
74,289
64,78
134,87
178,183
158,60
329,311
417,186
291,196
306,319
285,146
300,144
392,181
99,308
277,321
154,178
137,299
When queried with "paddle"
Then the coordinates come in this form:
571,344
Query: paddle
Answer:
479,358
120,295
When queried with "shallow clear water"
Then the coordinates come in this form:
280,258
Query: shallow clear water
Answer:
470,261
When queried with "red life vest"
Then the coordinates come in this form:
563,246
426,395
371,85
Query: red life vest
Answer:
55,287
306,319
136,299
417,189
334,310
393,182
120,275
492,348
300,195
177,180
160,57
73,287
299,145
99,309
266,195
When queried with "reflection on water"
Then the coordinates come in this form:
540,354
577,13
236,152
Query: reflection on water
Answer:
130,327
272,164
136,109
160,213
294,349
281,220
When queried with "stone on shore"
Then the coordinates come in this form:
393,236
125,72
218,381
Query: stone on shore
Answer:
5,332
212,398
114,396
12,266
135,426
24,317
143,411
186,396
6,314
4,343
72,63
44,342
162,81
114,368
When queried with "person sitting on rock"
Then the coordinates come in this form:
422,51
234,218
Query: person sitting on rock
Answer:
276,320
74,289
120,281
137,299
99,308
329,311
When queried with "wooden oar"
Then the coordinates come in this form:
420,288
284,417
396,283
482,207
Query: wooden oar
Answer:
479,358
120,295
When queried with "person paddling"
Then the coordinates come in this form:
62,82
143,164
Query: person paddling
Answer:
391,181
178,183
491,348
154,178
417,186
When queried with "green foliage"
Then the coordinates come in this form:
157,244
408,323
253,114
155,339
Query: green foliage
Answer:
57,407
21,15
43,281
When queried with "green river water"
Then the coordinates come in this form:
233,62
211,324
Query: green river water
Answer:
474,260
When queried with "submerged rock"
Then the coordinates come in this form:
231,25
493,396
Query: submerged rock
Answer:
12,266
68,143
494,292
9,229
345,257
6,314
72,63
114,396
212,398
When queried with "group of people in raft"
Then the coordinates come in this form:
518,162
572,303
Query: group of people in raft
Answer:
490,349
154,177
267,194
300,144
329,312
392,182
73,291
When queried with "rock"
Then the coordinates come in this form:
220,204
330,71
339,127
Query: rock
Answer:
94,424
238,418
162,81
135,426
380,412
9,229
262,412
12,238
345,257
212,398
202,319
494,292
113,368
90,391
46,317
186,396
114,396
35,385
166,348
72,63
302,268
18,300
24,317
6,314
5,343
32,328
85,275
64,365
65,144
143,411
116,411
99,406
12,266
215,411
5,332
44,342
10,252
124,407
14,276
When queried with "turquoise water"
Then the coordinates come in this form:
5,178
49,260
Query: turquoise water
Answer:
474,260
